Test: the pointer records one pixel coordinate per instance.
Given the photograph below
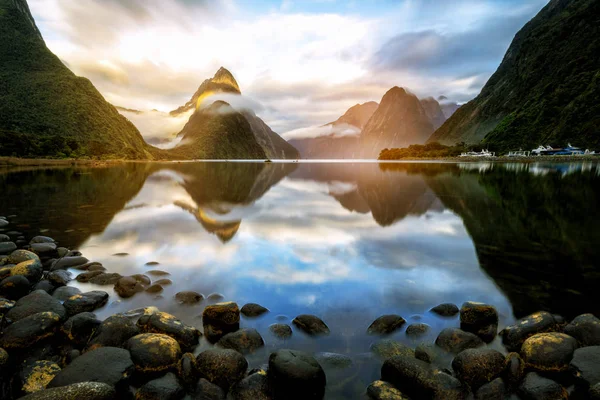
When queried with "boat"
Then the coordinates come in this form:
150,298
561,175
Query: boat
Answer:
519,153
564,151
483,153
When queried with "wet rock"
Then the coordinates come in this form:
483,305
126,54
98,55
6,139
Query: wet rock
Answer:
141,278
536,387
128,286
105,279
5,306
114,331
71,355
477,367
551,352
188,297
208,391
157,273
30,269
44,285
36,302
14,287
7,247
282,331
62,251
59,277
428,352
333,360
386,324
253,387
4,358
69,262
295,375
417,330
585,366
35,377
154,289
64,292
514,369
166,282
454,340
586,329
419,380
380,390
79,391
85,302
109,365
252,310
154,352
4,238
595,392
480,319
445,310
220,319
42,239
44,250
151,263
495,390
166,387
513,336
387,348
29,330
245,341
311,325
215,297
223,367
85,277
79,328
187,370
95,266
167,324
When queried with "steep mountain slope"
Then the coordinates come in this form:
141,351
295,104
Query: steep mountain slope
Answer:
357,115
434,111
547,88
222,82
399,121
273,145
45,110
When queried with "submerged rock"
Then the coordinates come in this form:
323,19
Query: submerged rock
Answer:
105,278
551,352
223,367
166,387
86,276
386,324
477,367
417,330
128,286
380,390
68,262
30,330
188,297
154,352
164,323
311,325
387,348
296,375
282,331
333,360
445,310
586,329
513,336
245,341
252,310
428,352
79,391
220,319
454,340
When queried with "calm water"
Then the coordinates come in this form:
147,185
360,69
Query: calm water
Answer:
347,242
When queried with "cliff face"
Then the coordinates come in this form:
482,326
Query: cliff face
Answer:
434,111
274,146
357,115
545,91
45,110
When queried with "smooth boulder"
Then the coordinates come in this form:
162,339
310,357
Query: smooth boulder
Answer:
223,367
386,324
537,387
513,336
85,302
30,330
36,302
296,375
167,324
477,367
585,366
480,319
454,340
548,352
220,319
586,329
166,387
253,310
245,341
154,352
114,331
311,325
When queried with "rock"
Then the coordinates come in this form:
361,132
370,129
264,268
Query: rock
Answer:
245,341
85,302
455,340
36,302
295,375
188,297
35,377
154,289
44,250
595,392
536,387
586,329
114,331
30,330
333,360
151,263
19,256
223,367
495,390
30,269
69,262
445,310
4,238
585,366
85,277
477,367
44,285
220,319
7,247
164,323
166,387
14,287
141,278
515,369
77,391
5,306
154,352
187,370
128,286
94,266
386,324
59,277
62,251
104,278
42,239
513,336
71,355
380,390
253,387
155,272
215,297
419,380
252,310
80,328
428,352
417,330
551,352
311,325
387,348
109,365
64,292
164,282
282,331
480,319
208,391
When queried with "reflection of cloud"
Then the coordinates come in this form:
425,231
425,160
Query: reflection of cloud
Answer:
157,127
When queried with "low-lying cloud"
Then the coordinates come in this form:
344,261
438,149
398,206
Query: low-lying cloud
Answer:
340,130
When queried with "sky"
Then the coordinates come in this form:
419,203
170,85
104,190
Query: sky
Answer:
300,63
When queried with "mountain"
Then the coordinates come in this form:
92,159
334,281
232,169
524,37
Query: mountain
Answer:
273,145
45,110
545,91
222,82
434,111
357,115
400,120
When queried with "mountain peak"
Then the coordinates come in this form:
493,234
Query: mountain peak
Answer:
223,76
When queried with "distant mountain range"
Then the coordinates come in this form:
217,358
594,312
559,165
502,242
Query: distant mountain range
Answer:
546,90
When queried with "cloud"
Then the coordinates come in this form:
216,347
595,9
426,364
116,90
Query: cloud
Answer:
316,131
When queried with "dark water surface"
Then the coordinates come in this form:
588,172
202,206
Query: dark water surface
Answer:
347,242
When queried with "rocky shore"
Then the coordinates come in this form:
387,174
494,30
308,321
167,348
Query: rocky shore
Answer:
52,345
